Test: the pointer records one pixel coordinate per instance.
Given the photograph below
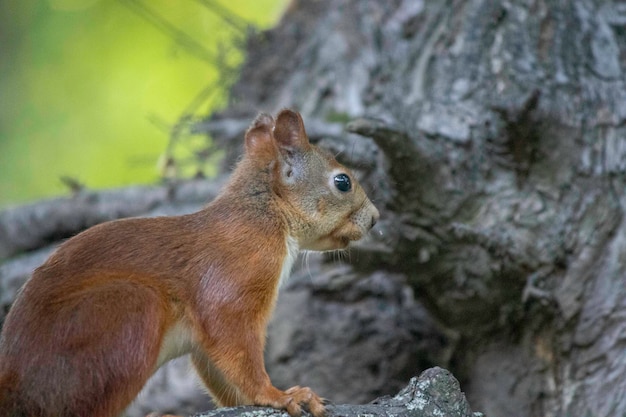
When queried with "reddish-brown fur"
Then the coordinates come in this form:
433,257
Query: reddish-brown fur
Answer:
88,328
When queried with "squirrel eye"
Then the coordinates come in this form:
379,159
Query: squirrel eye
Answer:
343,183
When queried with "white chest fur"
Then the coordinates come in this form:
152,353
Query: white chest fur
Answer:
290,259
176,342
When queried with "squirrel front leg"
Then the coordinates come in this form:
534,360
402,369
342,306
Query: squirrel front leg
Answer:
224,393
234,371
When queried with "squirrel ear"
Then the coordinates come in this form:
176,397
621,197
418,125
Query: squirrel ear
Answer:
289,132
259,134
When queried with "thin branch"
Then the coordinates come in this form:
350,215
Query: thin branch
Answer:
170,30
234,20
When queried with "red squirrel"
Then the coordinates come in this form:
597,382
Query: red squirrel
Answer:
115,302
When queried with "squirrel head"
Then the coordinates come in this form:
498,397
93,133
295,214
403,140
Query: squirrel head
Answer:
322,203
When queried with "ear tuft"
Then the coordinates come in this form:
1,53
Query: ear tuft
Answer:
289,131
263,119
259,134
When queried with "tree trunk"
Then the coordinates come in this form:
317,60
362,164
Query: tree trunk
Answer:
493,138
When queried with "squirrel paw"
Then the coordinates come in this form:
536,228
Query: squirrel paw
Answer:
297,397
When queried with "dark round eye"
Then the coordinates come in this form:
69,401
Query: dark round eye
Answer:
343,183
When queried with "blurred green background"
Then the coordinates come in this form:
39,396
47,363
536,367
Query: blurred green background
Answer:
90,89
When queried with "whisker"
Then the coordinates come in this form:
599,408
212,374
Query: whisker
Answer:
307,266
352,151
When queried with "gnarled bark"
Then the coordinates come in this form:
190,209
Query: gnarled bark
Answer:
499,161
491,135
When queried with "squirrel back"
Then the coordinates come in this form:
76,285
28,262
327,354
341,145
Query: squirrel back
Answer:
118,300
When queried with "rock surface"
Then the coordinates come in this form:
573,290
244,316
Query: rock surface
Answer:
434,393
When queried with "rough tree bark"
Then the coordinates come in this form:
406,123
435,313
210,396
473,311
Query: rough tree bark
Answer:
435,393
492,137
